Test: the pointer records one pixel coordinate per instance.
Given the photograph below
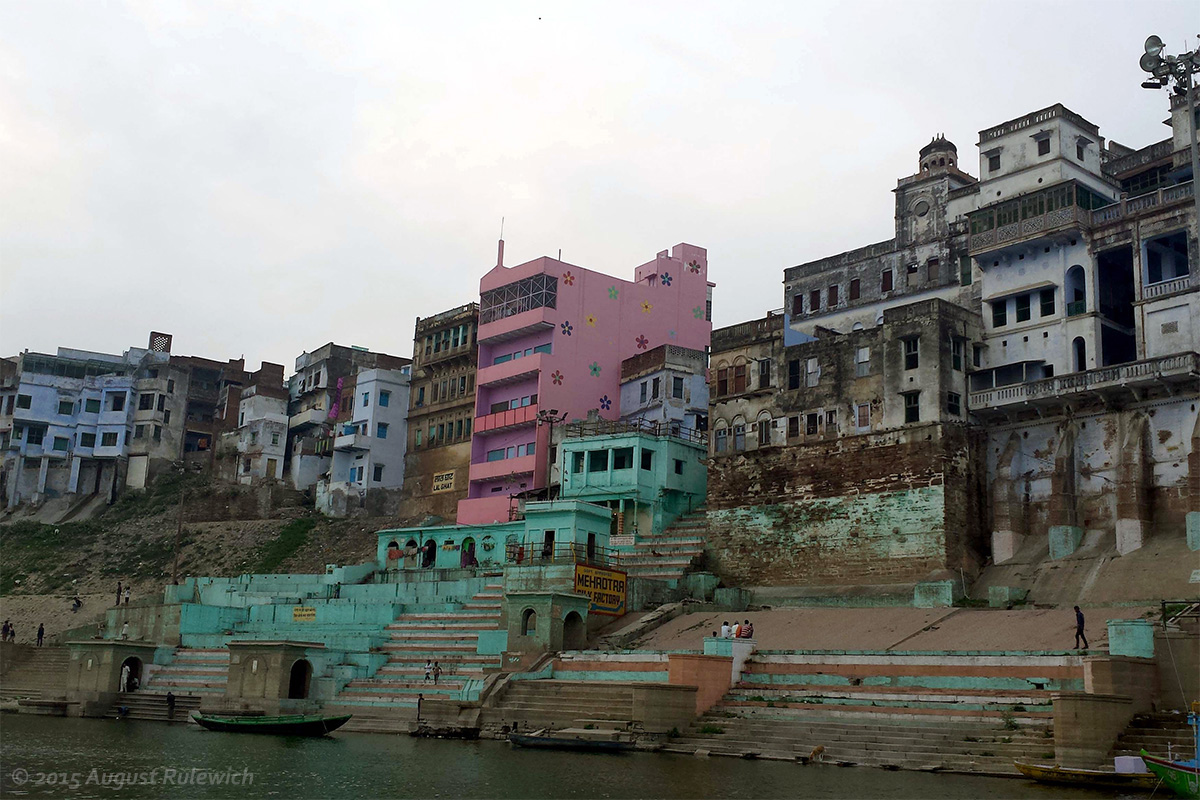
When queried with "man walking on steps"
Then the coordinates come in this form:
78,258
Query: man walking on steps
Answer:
1079,630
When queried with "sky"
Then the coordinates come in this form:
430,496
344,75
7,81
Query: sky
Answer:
258,179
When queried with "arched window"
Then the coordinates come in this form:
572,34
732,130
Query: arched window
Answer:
528,622
1079,348
1076,291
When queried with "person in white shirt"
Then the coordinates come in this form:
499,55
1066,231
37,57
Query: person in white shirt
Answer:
724,630
736,632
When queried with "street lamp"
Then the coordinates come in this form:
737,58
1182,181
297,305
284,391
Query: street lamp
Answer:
550,417
1181,71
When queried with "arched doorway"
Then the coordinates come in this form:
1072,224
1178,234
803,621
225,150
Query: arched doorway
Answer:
1076,291
528,622
428,554
574,632
1079,349
130,676
300,679
393,555
467,553
410,554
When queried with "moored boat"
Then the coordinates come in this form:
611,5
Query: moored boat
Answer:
1181,777
291,725
1065,776
580,739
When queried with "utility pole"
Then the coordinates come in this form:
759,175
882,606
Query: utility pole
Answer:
1180,70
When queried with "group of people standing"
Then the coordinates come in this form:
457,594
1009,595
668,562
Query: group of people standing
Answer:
122,592
739,630
432,670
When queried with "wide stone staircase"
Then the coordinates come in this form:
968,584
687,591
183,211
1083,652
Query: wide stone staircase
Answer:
193,671
447,637
152,706
38,673
965,712
560,704
1158,734
669,555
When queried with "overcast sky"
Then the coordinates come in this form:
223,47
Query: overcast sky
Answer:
261,178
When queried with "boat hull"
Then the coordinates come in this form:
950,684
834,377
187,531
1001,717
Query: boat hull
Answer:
274,726
1181,778
1044,773
571,743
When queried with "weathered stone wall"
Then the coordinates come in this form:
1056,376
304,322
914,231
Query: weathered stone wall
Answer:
881,508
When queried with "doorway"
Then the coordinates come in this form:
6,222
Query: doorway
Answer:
574,632
298,683
130,676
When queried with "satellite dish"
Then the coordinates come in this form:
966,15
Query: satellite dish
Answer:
1154,45
1149,62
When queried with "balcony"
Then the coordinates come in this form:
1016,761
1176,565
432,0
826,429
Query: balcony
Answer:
1184,283
518,369
1133,206
1076,307
517,325
1034,226
352,441
308,419
491,470
1178,368
504,420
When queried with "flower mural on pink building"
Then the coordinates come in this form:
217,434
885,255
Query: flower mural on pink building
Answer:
693,266
567,328
642,341
594,368
568,278
698,312
556,377
605,403
590,320
666,279
646,306
613,292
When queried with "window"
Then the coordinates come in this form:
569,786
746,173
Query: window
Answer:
722,383
417,438
385,398
912,353
797,305
158,433
24,401
17,433
648,458
492,455
831,421
677,387
61,443
381,429
832,296
367,398
679,466
739,378
999,313
577,463
360,475
1044,146
964,271
885,281
739,437
36,435
932,267
92,406
458,429
793,427
623,458
170,386
117,403
814,301
794,374
956,353
253,437
721,441
1023,312
1047,298
811,422
862,362
139,431
1079,151
65,407
764,373
377,473
87,440
764,432
644,392
708,310
598,461
812,372
162,402
954,404
912,407
109,439
862,416
274,438
441,434
993,162
855,288
977,355
654,385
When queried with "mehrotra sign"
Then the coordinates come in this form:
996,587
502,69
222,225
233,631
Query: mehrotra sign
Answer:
604,587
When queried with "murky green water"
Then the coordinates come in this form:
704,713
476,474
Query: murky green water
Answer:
74,757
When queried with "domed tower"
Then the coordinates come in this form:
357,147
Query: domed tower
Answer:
939,153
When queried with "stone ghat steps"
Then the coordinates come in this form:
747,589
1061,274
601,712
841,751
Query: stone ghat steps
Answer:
42,673
560,703
905,709
371,719
988,699
390,695
416,666
153,706
1157,734
406,620
199,671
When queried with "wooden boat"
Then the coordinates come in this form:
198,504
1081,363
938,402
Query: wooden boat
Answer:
574,739
1181,777
292,725
1063,776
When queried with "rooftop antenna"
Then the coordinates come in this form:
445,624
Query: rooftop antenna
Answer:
500,246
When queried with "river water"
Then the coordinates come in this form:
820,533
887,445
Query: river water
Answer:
80,758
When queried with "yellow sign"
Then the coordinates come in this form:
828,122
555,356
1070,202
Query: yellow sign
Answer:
443,482
605,588
304,614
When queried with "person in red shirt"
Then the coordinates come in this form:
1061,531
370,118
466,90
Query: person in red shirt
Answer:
746,630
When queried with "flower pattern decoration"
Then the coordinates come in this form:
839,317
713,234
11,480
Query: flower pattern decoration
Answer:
698,312
568,278
646,306
613,292
567,328
605,403
590,320
693,265
594,368
556,377
642,342
665,278
672,333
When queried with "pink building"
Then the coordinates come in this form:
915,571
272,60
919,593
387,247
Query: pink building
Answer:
552,336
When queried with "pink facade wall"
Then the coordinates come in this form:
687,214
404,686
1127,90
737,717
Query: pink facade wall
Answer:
598,322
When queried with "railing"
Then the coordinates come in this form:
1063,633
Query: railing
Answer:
1057,110
604,427
1181,364
536,555
1076,307
1144,156
1031,226
1133,205
1180,284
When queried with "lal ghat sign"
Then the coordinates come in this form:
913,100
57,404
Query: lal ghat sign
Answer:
604,587
443,482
